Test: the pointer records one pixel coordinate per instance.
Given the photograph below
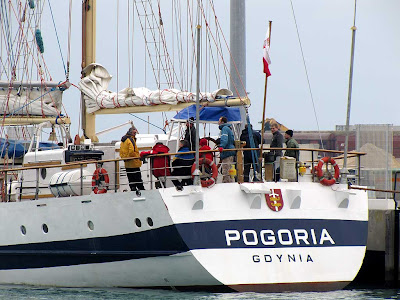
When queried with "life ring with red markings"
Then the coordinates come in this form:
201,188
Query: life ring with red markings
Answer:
320,172
100,178
213,179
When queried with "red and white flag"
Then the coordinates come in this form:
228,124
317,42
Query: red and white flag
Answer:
266,59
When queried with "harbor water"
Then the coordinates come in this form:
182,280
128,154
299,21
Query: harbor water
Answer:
44,293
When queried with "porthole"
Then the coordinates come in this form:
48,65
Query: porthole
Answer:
45,228
138,222
23,229
150,221
90,225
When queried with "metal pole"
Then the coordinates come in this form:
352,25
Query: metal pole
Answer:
5,186
359,170
196,172
20,187
9,191
387,186
312,165
81,167
37,184
344,171
116,174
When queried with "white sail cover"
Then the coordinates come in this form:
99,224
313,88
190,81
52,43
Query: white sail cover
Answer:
36,101
97,96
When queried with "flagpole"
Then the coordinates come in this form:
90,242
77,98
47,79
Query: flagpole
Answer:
265,103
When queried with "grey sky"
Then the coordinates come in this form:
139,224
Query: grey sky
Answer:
325,34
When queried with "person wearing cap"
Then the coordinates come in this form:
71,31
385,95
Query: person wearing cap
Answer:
182,165
291,143
204,147
133,163
160,165
227,142
190,134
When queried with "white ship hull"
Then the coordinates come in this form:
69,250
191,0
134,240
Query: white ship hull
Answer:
222,238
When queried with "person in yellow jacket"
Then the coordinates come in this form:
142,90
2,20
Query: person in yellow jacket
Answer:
129,149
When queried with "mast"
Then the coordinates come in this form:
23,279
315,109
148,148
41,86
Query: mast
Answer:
238,47
88,57
238,52
344,171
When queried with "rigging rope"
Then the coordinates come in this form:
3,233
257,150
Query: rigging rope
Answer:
69,38
129,45
148,122
117,41
308,79
58,40
230,55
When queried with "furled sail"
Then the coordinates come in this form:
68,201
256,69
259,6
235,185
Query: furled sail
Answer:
94,87
33,98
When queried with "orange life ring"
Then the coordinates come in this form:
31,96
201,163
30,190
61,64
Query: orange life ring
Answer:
211,181
100,177
320,173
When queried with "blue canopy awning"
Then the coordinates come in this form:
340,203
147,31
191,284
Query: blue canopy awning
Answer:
210,114
17,149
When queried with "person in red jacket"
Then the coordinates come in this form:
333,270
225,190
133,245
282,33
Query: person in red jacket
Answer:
204,146
160,165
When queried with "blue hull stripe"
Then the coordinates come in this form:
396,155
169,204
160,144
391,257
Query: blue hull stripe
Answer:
174,239
157,242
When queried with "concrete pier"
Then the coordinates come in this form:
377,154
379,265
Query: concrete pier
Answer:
381,263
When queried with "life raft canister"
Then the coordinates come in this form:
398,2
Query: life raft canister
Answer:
211,181
320,173
100,178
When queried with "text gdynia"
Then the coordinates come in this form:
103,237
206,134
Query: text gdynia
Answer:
282,258
284,237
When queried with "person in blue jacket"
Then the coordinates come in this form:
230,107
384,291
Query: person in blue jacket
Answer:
182,164
227,142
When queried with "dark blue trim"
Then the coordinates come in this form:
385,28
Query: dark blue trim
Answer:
157,242
170,240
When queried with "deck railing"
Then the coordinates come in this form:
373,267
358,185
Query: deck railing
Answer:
30,189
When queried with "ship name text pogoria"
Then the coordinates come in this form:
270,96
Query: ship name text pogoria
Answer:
284,237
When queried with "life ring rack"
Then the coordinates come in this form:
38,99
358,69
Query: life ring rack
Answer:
213,179
320,173
100,176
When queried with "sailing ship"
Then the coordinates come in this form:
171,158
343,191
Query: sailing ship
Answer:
59,230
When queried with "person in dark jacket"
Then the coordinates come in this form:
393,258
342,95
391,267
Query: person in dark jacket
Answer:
227,142
182,164
190,134
160,165
291,143
248,159
277,142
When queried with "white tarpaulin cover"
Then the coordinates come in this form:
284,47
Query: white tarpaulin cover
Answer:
30,101
96,94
